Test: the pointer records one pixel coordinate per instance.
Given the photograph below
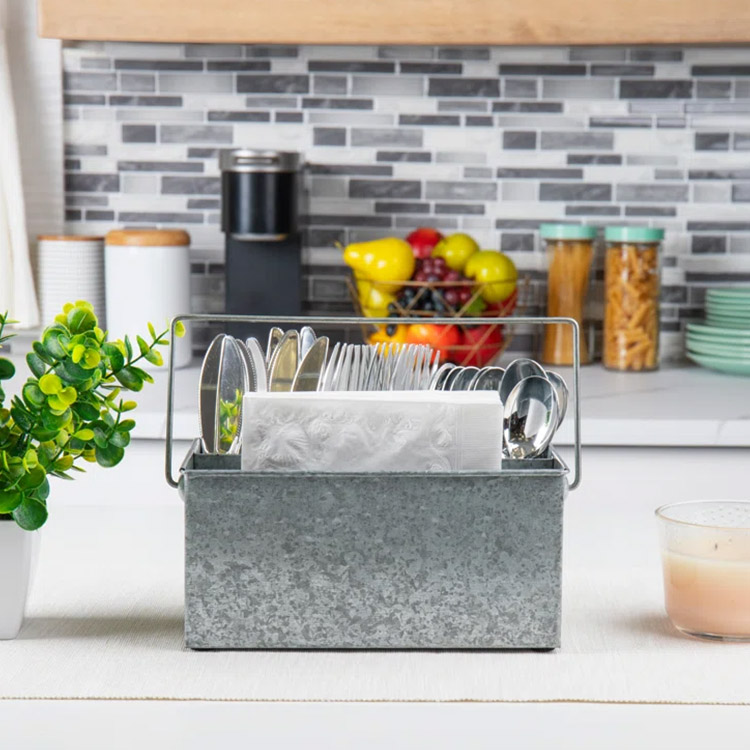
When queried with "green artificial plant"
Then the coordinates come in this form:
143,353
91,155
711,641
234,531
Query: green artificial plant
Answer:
69,410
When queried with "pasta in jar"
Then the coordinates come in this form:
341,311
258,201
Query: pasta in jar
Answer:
632,287
570,250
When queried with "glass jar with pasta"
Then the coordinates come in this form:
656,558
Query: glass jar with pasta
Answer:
570,250
631,311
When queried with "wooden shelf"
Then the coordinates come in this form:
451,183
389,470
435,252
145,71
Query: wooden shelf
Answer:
504,22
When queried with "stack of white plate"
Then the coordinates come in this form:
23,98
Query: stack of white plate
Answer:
69,268
723,342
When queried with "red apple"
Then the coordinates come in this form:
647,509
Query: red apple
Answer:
422,241
479,345
439,337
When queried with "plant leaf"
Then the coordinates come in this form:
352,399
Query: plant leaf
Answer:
9,500
7,369
30,514
109,456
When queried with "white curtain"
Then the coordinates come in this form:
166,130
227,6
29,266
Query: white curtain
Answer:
17,293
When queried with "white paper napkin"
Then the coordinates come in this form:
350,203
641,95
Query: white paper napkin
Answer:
420,431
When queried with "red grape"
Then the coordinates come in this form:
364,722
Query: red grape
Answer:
451,297
464,295
452,276
420,275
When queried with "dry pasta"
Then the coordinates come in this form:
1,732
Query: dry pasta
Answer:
631,316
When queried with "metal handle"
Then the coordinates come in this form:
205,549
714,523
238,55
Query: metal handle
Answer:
272,320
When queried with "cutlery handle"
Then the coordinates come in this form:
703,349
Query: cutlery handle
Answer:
332,322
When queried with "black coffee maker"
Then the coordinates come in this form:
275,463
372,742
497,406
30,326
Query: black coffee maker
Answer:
260,192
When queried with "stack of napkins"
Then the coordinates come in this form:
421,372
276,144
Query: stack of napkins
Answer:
370,431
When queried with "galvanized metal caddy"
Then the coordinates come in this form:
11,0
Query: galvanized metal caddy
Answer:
372,561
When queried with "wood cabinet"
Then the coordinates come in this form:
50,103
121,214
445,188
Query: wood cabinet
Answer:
399,21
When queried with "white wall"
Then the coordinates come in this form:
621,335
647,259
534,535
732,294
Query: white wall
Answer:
36,73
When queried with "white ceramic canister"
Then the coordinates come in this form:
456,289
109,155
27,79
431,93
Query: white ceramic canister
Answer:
19,551
147,279
69,268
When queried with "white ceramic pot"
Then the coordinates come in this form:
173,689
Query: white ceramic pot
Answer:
18,553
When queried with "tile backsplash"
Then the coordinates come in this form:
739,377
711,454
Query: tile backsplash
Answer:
490,141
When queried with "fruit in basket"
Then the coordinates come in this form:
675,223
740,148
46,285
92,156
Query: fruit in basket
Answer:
422,241
374,301
387,261
496,271
479,345
439,337
390,334
504,308
456,250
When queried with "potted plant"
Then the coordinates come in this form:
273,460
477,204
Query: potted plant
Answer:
70,410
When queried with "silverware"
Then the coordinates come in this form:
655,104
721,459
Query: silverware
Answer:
284,363
233,384
464,379
341,373
561,391
255,352
450,377
311,368
439,376
208,394
307,338
326,381
274,338
530,417
515,372
487,379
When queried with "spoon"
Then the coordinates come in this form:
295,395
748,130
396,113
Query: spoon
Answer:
487,379
515,372
463,380
439,376
530,417
561,391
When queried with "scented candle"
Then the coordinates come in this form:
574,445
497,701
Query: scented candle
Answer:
706,564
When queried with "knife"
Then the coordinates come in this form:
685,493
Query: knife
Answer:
255,351
208,394
310,370
274,338
307,338
284,363
326,381
233,383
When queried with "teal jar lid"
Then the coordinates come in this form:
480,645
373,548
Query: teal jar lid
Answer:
567,232
633,234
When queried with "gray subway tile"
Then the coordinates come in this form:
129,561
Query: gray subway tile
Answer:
671,122
204,203
351,169
404,137
405,52
585,210
203,153
237,66
520,88
404,156
666,88
656,54
620,122
712,141
137,64
535,173
325,237
461,209
73,214
622,71
329,187
461,157
537,107
95,63
669,174
519,139
727,71
271,102
138,133
741,192
159,166
480,87
71,113
333,85
575,191
516,242
578,88
195,133
241,116
649,193
463,105
98,215
191,185
525,69
350,66
213,50
703,244
429,120
597,54
480,191
463,53
89,81
188,83
478,121
329,136
401,207
609,159
713,89
712,108
387,85
718,226
137,82
276,50
576,141
70,165
309,102
273,84
84,99
85,149
120,100
482,173
719,174
398,189
159,217
92,183
431,68
288,117
741,141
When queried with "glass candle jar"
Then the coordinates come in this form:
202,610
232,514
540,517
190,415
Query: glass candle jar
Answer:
631,298
705,548
570,250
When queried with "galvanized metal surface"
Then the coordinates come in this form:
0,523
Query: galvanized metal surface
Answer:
366,561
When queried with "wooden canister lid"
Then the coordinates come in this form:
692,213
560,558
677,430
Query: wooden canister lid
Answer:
148,237
68,238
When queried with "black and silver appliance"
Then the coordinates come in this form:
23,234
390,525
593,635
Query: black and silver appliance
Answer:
260,191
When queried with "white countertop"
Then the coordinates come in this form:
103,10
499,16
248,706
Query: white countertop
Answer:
674,406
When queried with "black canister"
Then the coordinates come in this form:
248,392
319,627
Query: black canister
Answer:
259,193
